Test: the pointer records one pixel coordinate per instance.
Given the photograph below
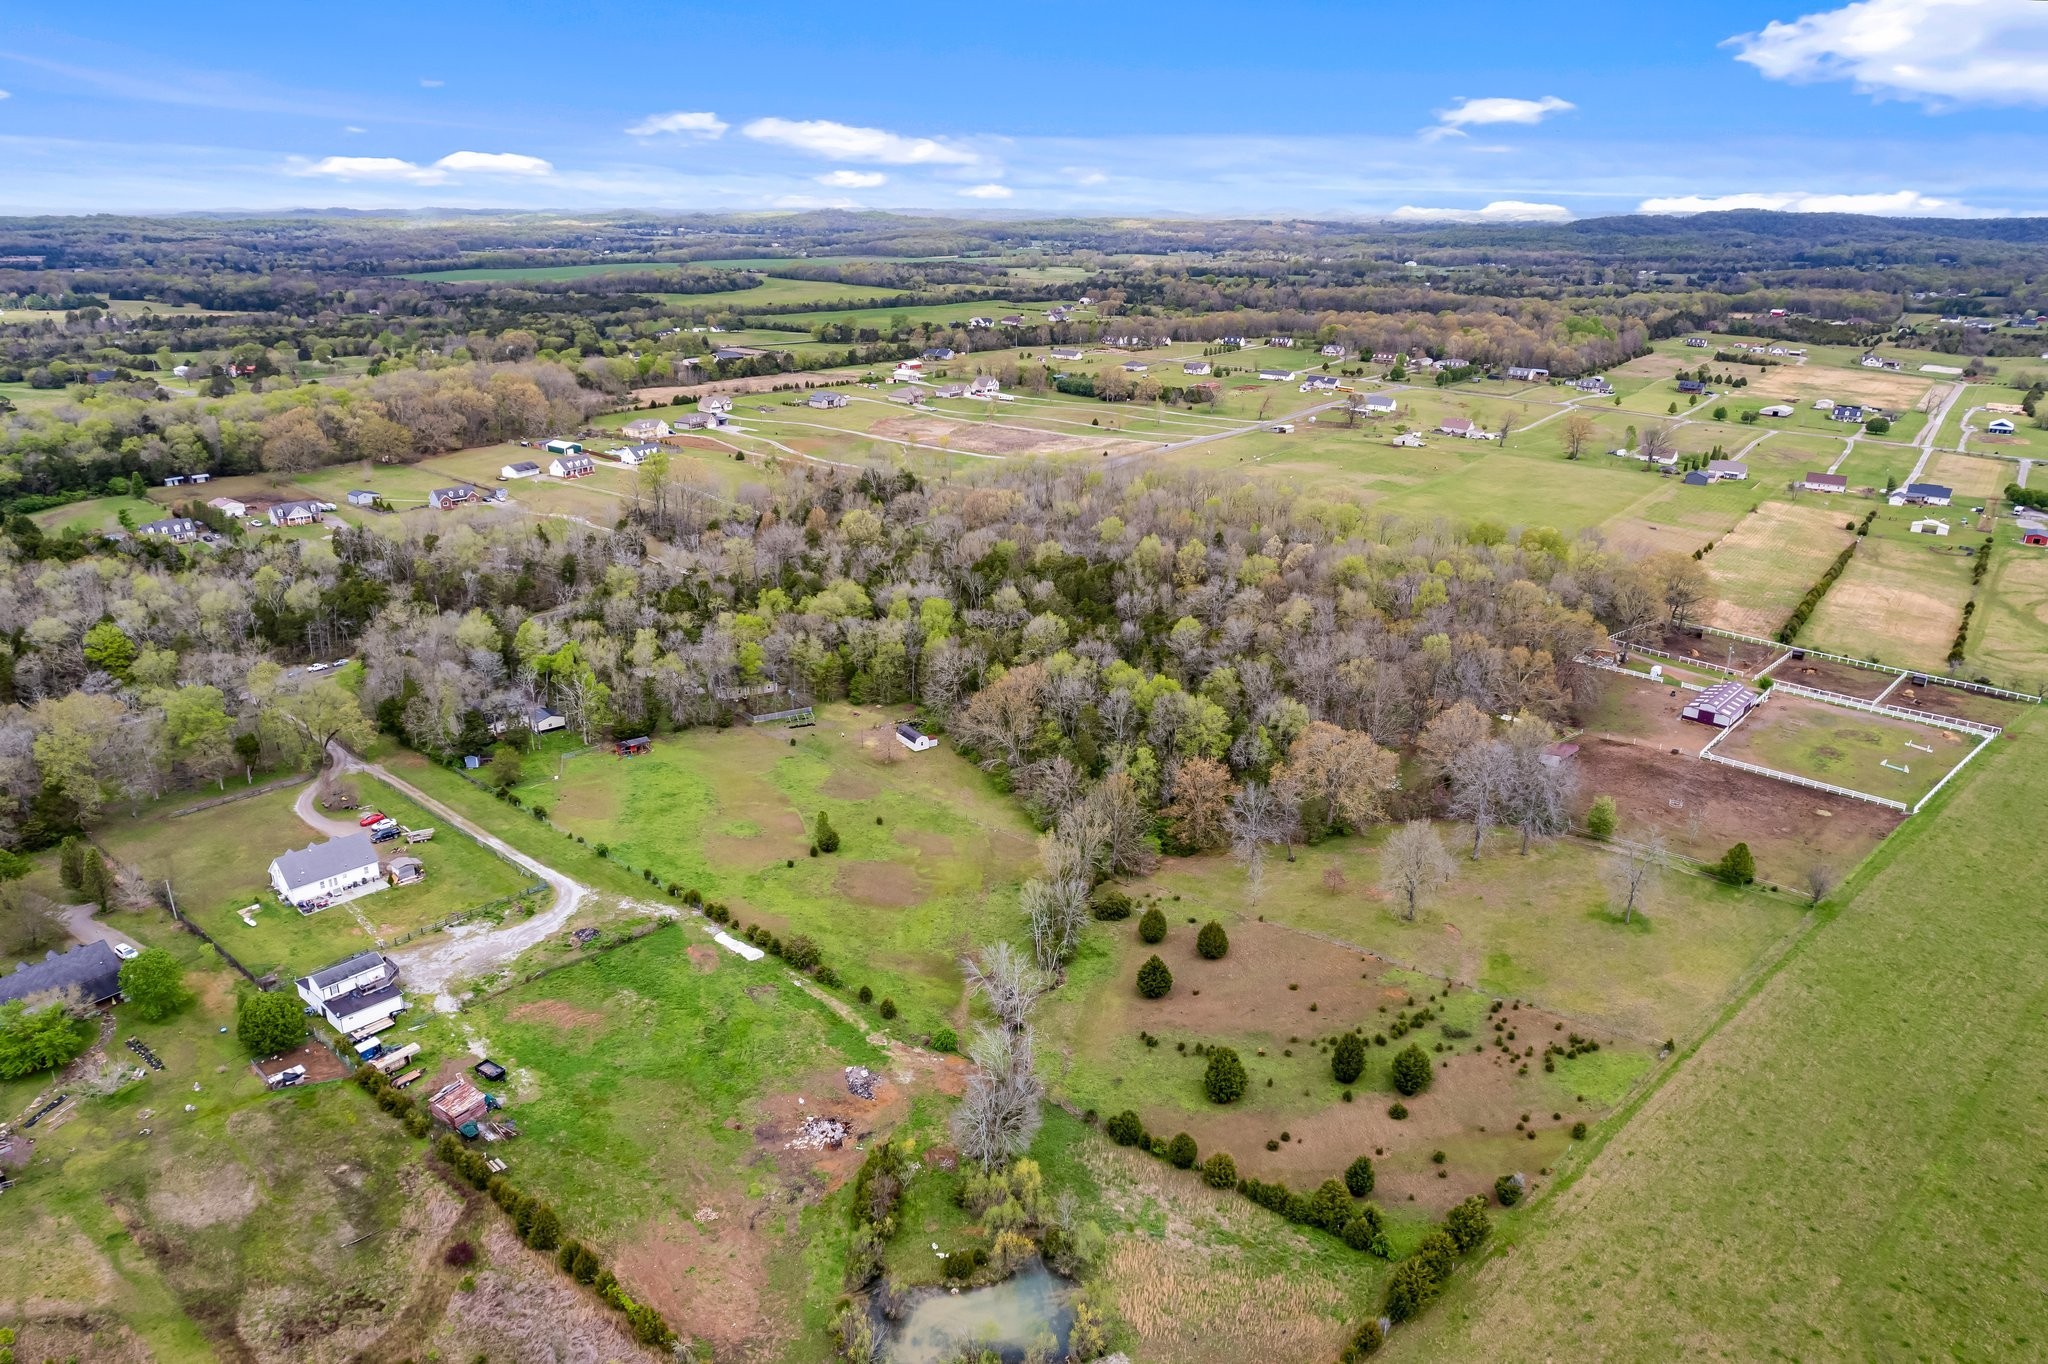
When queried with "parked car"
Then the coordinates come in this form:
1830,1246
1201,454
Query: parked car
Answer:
370,817
125,952
317,668
384,835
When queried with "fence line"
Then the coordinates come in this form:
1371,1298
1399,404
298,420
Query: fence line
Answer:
1836,698
1933,678
1950,775
1809,782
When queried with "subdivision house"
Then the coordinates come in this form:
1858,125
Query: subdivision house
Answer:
1720,705
1691,386
939,353
525,468
1595,385
1464,427
1698,342
177,529
90,974
1727,470
1825,483
1383,357
1332,351
1528,374
984,386
1319,383
1377,404
636,454
950,391
320,871
361,497
913,738
714,403
1196,367
354,994
1845,412
1237,341
572,466
295,513
1135,367
693,421
644,428
1280,376
443,498
826,400
1280,341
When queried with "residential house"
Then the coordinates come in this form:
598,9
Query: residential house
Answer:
1922,495
1667,460
1378,404
984,386
1283,341
1464,427
1236,341
1055,314
1720,705
1825,483
1013,320
525,468
1595,385
229,506
940,353
724,353
1845,412
1528,374
309,876
950,391
90,974
1332,351
904,374
908,396
177,529
1691,386
644,428
572,466
913,738
717,404
1067,352
636,454
1727,470
353,994
1929,525
361,497
693,421
1319,383
1135,367
1383,357
1280,376
2000,426
826,400
443,498
1697,342
295,513
1196,367
979,323
541,720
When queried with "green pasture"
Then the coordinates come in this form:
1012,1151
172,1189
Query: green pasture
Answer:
1846,747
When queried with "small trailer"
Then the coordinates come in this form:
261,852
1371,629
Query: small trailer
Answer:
391,1061
402,1081
419,835
286,1078
372,1029
369,1049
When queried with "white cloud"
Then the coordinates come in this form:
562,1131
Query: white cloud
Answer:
351,128
986,192
1939,51
1499,211
383,168
6,94
703,127
1904,203
495,163
809,201
429,83
1472,113
843,142
1084,175
853,179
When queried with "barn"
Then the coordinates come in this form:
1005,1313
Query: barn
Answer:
1720,705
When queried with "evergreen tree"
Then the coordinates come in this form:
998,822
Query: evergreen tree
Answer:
826,838
1152,927
1412,1071
1737,866
1359,1177
1154,980
1224,1081
1347,1059
1212,942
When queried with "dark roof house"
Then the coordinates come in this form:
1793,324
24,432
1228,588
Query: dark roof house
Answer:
91,973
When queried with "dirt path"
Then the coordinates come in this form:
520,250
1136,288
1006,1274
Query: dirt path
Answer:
469,949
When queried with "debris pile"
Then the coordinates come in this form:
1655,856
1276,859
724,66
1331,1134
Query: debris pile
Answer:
818,1134
860,1081
583,935
136,1045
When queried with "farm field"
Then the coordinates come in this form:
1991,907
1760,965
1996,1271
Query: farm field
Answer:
1762,568
1974,479
1903,956
2009,637
514,273
1897,603
729,813
1871,465
1846,748
95,514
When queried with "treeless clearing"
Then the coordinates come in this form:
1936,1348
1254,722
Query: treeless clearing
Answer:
1764,566
990,438
2010,641
1736,655
1896,603
557,1013
1846,747
1969,476
1881,388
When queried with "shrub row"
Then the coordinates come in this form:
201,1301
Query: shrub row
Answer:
1796,622
1331,1207
1417,1280
394,1100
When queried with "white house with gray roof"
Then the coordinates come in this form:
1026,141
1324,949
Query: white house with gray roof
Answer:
309,876
354,994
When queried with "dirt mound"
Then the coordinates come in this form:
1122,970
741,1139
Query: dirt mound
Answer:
704,958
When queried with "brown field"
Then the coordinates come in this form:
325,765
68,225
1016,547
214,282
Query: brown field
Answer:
1702,808
1963,705
1764,566
1970,477
992,438
1715,650
1897,604
1823,675
1896,392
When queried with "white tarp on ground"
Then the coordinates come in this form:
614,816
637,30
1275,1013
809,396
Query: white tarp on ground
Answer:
732,944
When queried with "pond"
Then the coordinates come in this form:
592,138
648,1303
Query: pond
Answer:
1009,1317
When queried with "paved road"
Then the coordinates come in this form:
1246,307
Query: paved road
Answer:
1927,437
84,927
471,949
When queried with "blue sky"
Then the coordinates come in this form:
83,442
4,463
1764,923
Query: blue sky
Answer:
1490,111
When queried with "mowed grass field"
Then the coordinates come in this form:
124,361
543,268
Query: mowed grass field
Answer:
1762,568
731,814
1896,603
2009,636
1847,748
1831,1176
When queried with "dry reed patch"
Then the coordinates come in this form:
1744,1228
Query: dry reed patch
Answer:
524,1308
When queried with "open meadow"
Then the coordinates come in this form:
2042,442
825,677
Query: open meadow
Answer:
1847,748
1897,603
1761,569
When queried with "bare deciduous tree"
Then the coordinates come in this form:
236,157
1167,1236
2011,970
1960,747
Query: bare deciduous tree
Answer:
1414,865
1820,880
1482,777
1634,874
1257,817
1010,984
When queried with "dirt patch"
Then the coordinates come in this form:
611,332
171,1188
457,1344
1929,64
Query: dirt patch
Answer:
705,959
320,1063
1714,650
888,885
1701,808
924,842
1824,675
557,1013
991,438
192,1195
1953,701
707,1277
86,1336
849,784
524,1309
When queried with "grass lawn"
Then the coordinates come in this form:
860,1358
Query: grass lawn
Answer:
1830,1176
1871,464
1897,603
2009,637
1846,748
730,814
98,513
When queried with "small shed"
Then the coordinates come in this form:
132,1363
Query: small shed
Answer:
626,748
2034,535
458,1103
1720,705
403,871
913,738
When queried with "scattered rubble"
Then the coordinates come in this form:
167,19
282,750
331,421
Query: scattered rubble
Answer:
818,1134
860,1082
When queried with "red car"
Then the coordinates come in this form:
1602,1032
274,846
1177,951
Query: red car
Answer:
370,818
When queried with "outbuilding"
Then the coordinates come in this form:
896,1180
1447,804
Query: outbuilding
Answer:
913,738
1720,705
